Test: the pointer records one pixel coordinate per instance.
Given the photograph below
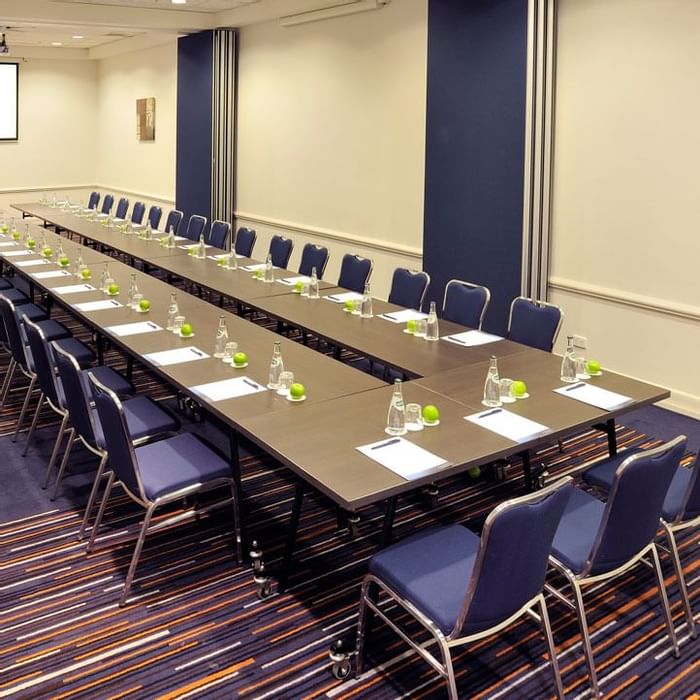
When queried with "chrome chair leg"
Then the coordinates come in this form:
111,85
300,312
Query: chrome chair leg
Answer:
236,523
664,601
547,627
678,568
33,426
449,672
101,512
8,380
25,405
587,646
137,555
59,440
361,624
93,496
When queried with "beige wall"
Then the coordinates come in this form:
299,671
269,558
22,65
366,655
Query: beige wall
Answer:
626,220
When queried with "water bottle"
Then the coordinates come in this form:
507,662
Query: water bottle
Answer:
53,200
78,266
366,303
221,338
104,279
232,261
129,228
201,248
276,366
396,418
170,241
492,385
133,290
269,272
148,232
313,285
568,362
173,311
432,331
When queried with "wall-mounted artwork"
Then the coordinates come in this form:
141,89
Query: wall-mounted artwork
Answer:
146,119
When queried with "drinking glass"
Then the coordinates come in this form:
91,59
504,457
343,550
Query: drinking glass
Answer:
421,328
506,390
230,349
285,383
582,368
413,417
136,301
177,324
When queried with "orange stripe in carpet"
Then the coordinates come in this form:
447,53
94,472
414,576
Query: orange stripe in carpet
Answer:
206,680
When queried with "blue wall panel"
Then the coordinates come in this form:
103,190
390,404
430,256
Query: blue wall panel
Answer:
194,124
477,52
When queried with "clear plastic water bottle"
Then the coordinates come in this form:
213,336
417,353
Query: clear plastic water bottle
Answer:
313,285
173,311
53,201
432,330
221,338
201,251
133,290
276,366
568,362
269,272
396,418
108,221
492,385
366,303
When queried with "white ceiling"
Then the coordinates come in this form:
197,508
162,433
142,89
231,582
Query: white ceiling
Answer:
190,6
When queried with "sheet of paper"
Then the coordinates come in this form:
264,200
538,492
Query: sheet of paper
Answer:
509,425
31,263
403,316
118,221
50,274
99,305
228,389
345,296
256,266
16,253
193,245
222,256
124,329
176,356
594,395
156,234
7,244
74,288
404,458
470,339
291,281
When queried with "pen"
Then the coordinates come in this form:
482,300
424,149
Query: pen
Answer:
249,383
490,413
456,340
575,386
152,325
196,352
114,302
393,441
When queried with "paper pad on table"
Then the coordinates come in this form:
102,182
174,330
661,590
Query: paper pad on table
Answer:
404,458
403,316
7,244
174,357
509,425
257,266
228,389
16,253
594,395
124,329
74,288
49,274
293,280
345,296
222,256
31,263
98,305
470,339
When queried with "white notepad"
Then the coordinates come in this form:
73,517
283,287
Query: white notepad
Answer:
125,329
509,425
345,296
290,281
50,274
594,395
404,458
222,256
31,263
257,266
470,339
175,357
228,389
157,234
16,253
403,316
74,288
7,244
99,305
193,245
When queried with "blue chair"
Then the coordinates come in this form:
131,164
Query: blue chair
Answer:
408,288
598,541
281,250
534,323
137,212
219,234
680,511
154,215
193,467
461,587
245,242
122,208
173,221
195,227
465,303
145,419
107,204
93,200
354,272
313,256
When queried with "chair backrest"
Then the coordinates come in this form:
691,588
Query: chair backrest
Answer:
122,208
354,272
107,204
219,234
633,508
691,503
313,256
154,215
137,212
512,559
93,200
195,227
465,303
173,221
42,360
245,240
12,332
408,288
534,323
75,392
281,251
122,457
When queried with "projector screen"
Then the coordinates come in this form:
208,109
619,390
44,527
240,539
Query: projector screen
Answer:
9,81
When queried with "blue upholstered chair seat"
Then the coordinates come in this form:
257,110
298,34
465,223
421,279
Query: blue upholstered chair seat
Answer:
31,311
15,296
432,570
602,474
73,346
115,381
5,283
577,530
177,463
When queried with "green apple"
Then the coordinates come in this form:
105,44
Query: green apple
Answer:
48,252
113,289
64,260
16,234
474,472
411,325
31,243
240,358
296,391
519,388
257,274
144,305
85,273
4,228
431,414
299,286
221,261
186,329
349,304
593,366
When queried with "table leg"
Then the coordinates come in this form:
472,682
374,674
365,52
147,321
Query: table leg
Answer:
389,513
236,472
527,468
291,536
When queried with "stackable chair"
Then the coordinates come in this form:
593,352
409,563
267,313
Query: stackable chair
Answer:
465,303
145,419
93,200
195,227
219,234
280,251
534,323
137,212
193,467
680,511
245,241
461,587
597,541
122,208
173,221
107,204
313,256
355,272
154,215
408,288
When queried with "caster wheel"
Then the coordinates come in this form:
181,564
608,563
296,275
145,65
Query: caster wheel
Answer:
354,526
341,669
264,589
541,480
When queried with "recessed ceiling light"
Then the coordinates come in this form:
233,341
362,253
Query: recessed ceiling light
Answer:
178,2
77,36
56,43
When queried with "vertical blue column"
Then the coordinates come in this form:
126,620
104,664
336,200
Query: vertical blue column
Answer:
477,56
193,183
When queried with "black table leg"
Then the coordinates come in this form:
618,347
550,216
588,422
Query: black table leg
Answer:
291,536
527,468
389,513
609,429
236,474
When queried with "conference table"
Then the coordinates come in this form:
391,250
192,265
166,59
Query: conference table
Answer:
318,439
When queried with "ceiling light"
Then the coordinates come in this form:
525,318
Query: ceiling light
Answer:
77,36
56,43
178,2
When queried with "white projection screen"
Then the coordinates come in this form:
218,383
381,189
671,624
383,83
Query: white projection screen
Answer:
9,111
